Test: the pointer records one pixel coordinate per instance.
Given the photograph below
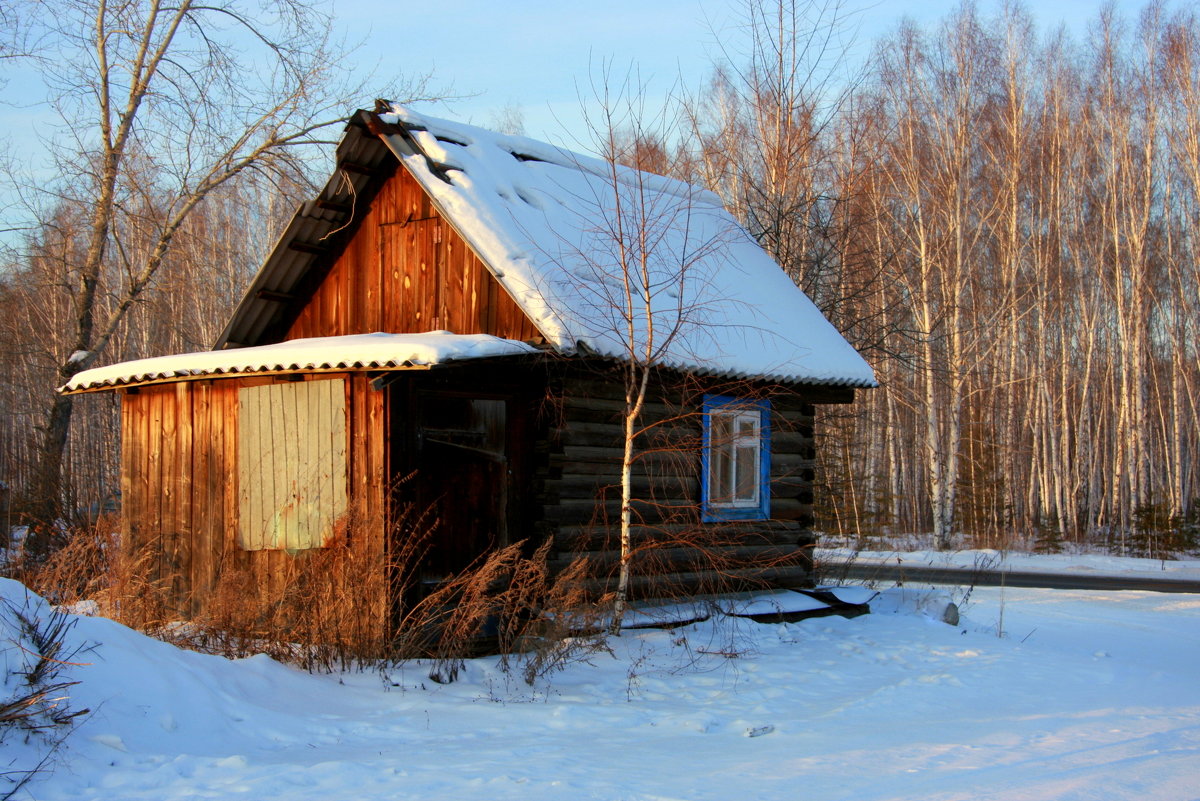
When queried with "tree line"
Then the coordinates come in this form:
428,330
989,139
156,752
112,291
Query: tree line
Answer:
1005,220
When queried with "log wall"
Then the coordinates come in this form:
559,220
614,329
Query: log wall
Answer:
406,270
579,491
180,483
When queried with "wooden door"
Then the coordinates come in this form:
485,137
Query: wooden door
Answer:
463,473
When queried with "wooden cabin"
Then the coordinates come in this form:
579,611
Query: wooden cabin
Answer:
446,328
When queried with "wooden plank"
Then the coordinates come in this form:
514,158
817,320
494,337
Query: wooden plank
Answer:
362,301
379,272
231,554
783,464
249,469
377,422
360,479
222,480
790,442
718,557
644,487
128,469
155,489
790,509
171,485
287,434
273,488
762,533
674,585
328,452
607,435
135,474
257,464
580,399
328,409
588,453
184,479
584,510
199,542
313,505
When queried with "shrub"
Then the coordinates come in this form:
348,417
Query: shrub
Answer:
34,702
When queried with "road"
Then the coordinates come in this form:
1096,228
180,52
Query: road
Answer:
903,572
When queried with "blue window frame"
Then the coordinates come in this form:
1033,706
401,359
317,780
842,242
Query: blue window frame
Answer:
736,459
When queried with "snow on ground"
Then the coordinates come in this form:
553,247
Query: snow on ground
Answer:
1084,695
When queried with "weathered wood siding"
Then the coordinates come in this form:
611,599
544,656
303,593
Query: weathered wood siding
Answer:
181,476
579,490
405,270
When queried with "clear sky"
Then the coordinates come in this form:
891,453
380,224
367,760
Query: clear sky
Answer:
537,56
540,56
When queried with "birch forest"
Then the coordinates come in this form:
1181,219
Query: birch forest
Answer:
1004,219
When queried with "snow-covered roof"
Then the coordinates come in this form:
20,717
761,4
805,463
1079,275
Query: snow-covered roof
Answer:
354,352
562,231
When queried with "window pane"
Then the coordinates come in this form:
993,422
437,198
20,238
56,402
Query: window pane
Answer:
747,473
736,450
720,469
719,430
720,458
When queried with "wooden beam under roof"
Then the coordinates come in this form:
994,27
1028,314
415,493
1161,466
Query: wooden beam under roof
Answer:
305,247
335,205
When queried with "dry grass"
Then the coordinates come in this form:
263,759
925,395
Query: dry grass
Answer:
34,694
324,613
508,602
92,565
341,606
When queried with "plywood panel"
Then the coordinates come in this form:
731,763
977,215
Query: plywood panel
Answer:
291,446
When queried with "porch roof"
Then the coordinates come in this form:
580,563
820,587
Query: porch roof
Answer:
353,352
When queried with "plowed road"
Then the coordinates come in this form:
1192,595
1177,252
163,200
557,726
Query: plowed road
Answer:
964,576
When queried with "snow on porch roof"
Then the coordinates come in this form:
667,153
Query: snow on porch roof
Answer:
357,351
555,227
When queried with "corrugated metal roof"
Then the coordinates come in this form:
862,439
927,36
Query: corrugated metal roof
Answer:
312,235
354,352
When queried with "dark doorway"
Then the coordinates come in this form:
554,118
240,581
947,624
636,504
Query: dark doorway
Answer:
462,464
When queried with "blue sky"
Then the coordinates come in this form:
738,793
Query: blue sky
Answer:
540,56
535,55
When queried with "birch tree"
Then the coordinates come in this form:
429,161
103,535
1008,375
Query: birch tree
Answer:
642,274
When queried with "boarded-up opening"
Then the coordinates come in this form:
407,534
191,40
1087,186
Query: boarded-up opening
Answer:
292,464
